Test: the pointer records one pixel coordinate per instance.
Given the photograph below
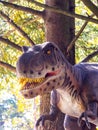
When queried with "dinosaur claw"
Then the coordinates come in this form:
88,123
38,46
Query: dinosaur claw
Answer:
40,120
79,123
43,121
80,120
40,124
86,120
39,128
85,116
88,125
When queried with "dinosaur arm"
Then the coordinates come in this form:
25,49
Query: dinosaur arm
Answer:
51,117
53,110
91,113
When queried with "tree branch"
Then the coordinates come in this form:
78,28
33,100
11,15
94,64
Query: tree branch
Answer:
77,36
22,8
58,10
91,6
90,56
7,41
11,22
54,9
8,66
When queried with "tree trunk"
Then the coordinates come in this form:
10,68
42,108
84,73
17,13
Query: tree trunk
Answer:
59,28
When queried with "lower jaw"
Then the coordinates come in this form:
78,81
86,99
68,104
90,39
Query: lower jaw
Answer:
39,89
33,92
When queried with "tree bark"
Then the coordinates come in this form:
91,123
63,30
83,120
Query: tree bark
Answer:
59,28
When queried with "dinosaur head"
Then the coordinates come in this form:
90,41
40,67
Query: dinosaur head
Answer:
40,69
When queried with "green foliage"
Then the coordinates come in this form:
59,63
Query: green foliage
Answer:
88,40
19,116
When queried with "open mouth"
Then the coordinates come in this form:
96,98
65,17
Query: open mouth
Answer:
29,83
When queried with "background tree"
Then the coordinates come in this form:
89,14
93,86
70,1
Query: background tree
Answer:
28,22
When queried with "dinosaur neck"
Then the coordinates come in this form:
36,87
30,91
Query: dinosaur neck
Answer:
71,83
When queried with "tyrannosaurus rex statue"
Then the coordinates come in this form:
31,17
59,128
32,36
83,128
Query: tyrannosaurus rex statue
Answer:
43,68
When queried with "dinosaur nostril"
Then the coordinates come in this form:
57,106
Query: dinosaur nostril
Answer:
53,68
39,73
31,72
31,93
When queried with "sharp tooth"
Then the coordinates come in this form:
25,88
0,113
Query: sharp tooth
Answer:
23,81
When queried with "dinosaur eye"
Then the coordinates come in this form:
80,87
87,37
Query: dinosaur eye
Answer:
48,52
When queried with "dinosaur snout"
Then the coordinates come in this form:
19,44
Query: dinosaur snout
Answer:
29,66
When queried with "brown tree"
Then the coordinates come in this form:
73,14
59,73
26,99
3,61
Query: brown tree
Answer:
59,18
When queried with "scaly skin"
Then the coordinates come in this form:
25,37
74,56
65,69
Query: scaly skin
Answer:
43,68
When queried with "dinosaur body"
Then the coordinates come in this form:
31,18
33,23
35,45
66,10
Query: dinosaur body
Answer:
43,68
82,96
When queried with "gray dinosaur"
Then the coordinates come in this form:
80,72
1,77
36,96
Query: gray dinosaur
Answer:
43,68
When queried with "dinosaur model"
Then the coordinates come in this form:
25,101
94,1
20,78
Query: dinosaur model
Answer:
43,68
